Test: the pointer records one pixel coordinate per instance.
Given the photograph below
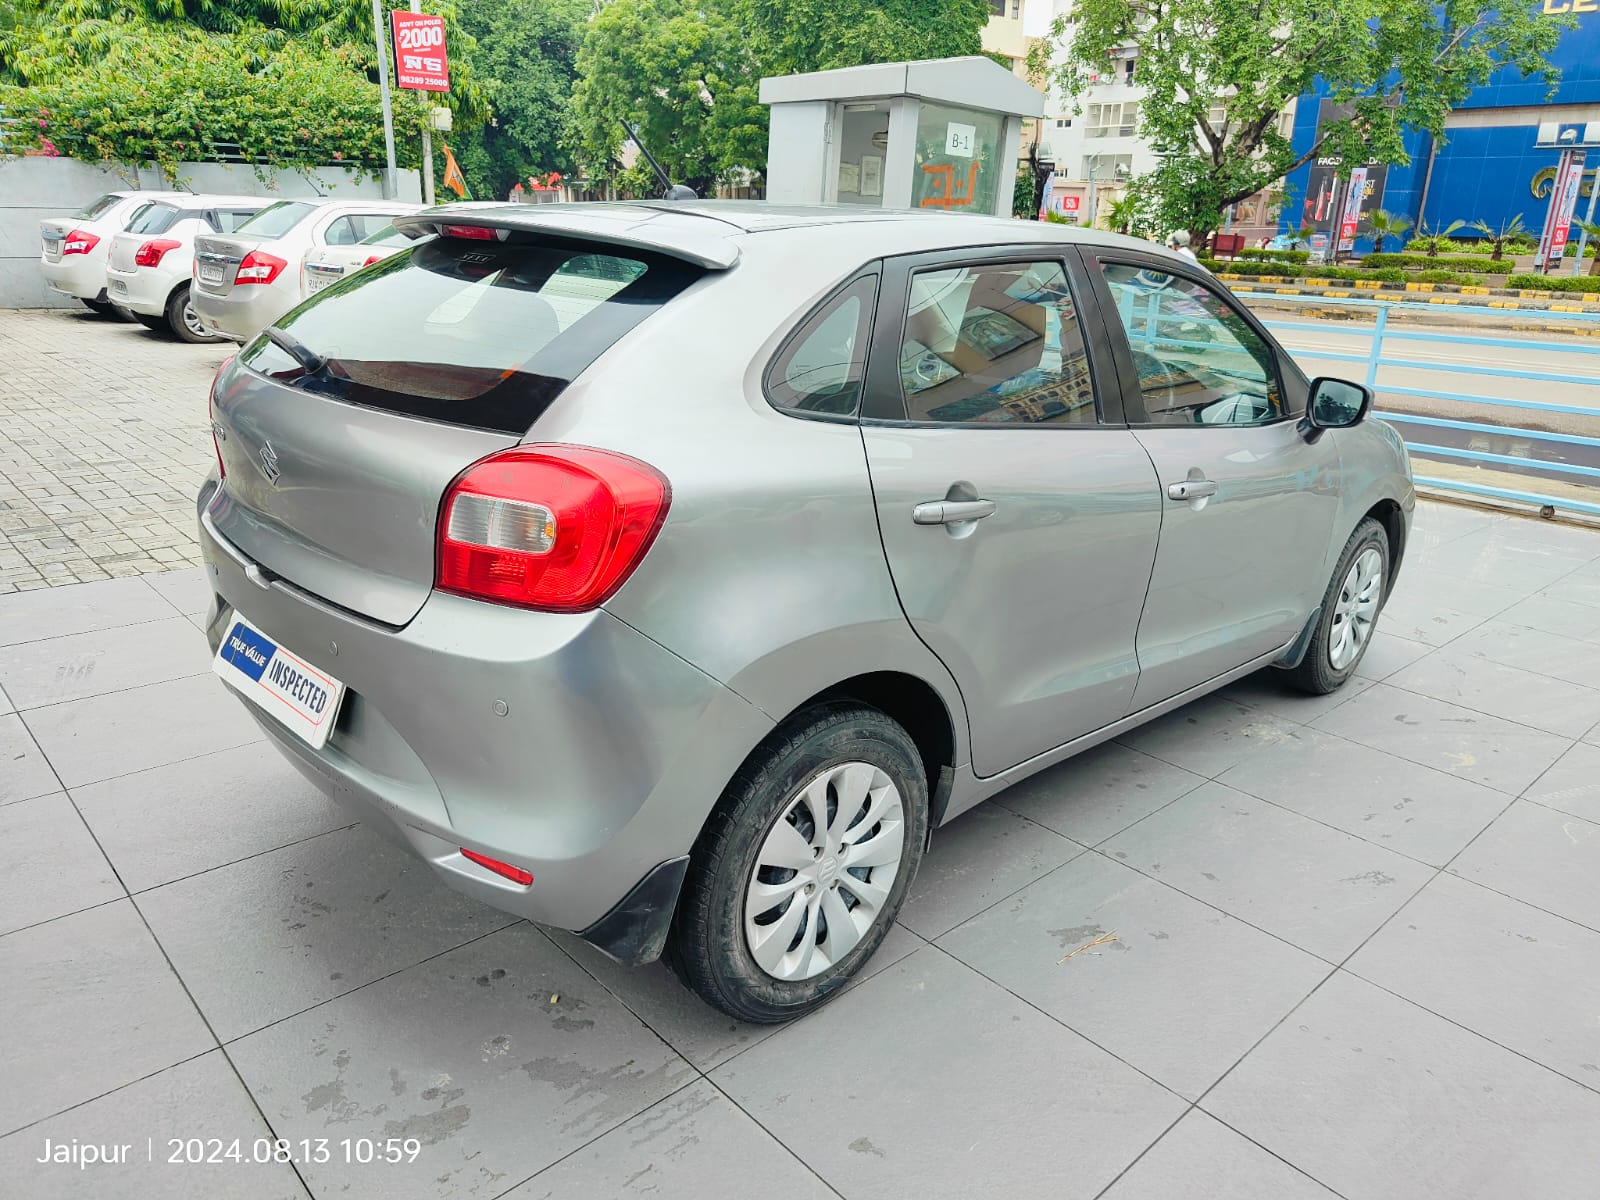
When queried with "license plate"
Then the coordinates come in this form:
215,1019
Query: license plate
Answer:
210,273
315,283
52,251
278,681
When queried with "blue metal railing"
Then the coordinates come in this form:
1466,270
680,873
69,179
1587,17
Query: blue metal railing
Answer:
1373,360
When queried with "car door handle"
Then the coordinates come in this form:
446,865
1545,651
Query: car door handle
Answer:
1191,489
951,512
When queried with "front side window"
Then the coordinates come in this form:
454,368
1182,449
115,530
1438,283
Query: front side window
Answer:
1199,362
998,344
821,369
275,220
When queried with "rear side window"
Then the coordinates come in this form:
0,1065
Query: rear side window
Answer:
821,367
341,233
469,332
155,218
98,208
275,220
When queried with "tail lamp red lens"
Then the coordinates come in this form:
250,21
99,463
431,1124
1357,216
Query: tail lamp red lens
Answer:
211,404
515,874
259,268
151,253
477,232
557,528
372,258
79,241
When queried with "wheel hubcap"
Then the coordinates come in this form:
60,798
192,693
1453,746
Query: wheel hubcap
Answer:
191,320
1356,609
825,871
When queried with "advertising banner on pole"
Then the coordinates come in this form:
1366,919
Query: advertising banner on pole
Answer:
1563,201
1352,208
420,62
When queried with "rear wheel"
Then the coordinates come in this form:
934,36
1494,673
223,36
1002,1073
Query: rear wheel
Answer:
803,865
1350,611
184,321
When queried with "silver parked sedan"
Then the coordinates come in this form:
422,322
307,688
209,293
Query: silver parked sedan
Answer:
666,572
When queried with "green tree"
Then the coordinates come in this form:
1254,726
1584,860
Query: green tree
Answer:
526,58
686,72
1386,225
1218,74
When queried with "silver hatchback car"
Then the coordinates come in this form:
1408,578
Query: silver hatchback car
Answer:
666,572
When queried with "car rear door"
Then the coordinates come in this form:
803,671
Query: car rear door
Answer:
1018,513
1248,504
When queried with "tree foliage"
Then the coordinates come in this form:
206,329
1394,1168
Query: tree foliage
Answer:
526,60
687,72
1218,74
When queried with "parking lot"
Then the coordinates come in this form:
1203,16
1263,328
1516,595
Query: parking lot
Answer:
1268,946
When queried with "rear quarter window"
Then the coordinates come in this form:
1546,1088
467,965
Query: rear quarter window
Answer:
471,332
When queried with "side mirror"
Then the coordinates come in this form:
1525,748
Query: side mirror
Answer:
1334,404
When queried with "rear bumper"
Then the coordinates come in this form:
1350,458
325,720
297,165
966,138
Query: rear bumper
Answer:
142,291
599,775
241,312
81,276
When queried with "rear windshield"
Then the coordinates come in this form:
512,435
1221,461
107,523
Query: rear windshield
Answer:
153,218
478,333
275,220
98,208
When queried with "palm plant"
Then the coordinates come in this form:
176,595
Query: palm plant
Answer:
1298,237
1592,228
1386,225
1508,231
1123,211
1431,241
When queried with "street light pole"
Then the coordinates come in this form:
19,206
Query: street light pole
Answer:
389,187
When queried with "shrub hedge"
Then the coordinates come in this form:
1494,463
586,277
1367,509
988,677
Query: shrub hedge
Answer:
1556,283
1293,256
1443,262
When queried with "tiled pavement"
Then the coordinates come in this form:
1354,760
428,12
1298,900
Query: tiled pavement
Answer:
102,442
1268,947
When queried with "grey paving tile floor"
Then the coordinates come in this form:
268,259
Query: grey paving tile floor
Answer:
1266,947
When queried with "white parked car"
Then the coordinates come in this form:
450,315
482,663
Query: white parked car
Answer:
73,257
246,280
332,263
151,266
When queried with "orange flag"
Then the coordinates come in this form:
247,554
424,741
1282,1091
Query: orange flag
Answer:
453,178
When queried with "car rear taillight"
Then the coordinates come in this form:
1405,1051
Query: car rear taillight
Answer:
211,406
372,258
558,528
150,254
515,874
259,268
79,241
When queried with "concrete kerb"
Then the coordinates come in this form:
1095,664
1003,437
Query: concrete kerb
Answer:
1418,293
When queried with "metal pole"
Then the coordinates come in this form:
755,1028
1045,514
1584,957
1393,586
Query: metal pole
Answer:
388,109
1375,351
1094,192
427,143
1583,234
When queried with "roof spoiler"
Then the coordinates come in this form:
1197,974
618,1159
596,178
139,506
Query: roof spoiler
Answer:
686,236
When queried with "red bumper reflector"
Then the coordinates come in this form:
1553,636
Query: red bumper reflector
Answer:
515,874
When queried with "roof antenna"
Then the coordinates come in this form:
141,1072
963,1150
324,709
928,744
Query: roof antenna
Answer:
669,190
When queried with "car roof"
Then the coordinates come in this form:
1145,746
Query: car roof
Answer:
711,233
208,200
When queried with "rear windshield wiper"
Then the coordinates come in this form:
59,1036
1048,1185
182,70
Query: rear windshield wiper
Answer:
310,361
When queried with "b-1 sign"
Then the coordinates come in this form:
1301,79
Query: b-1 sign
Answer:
419,58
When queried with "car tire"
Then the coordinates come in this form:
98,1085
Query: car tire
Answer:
858,765
183,322
100,308
1350,610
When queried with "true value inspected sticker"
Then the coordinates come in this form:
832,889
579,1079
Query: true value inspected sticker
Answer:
278,681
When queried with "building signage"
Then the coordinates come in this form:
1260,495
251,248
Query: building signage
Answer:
1563,200
420,62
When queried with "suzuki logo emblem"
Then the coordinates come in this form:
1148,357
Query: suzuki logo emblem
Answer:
269,463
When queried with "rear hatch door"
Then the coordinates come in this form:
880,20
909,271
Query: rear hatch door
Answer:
341,430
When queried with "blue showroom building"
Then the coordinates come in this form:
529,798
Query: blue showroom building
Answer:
1486,167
